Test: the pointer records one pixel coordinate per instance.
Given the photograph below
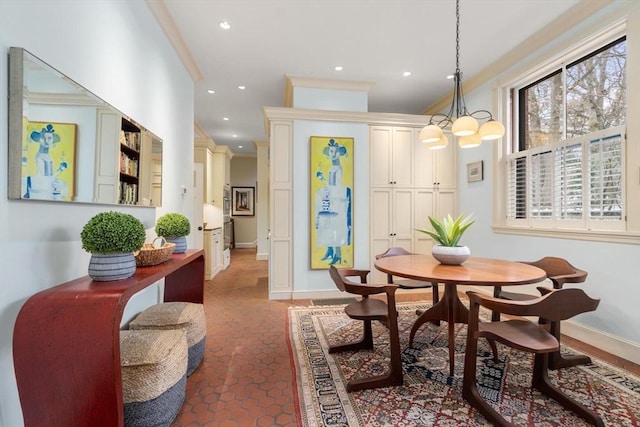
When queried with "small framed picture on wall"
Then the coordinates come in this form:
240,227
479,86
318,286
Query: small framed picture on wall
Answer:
475,171
242,201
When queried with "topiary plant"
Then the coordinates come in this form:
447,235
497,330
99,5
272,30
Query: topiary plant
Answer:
173,225
112,232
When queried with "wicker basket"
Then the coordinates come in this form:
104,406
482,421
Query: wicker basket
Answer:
150,254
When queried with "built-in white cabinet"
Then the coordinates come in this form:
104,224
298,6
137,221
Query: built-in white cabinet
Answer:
212,253
391,151
408,183
221,176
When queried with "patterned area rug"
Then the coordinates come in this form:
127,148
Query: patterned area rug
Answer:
429,396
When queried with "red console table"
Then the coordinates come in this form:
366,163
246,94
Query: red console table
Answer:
66,343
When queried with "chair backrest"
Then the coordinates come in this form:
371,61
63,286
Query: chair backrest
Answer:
337,278
394,251
556,305
559,270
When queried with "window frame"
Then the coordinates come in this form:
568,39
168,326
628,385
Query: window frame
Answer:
536,67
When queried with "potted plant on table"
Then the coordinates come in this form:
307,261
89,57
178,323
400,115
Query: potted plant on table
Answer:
174,227
447,234
111,238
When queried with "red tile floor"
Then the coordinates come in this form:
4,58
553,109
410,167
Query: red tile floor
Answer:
245,378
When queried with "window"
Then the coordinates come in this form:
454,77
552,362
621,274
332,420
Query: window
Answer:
565,169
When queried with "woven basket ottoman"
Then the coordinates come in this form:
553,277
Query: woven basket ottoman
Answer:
154,376
186,316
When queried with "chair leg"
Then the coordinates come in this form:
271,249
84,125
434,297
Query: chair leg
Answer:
366,343
494,349
557,360
542,382
495,315
470,390
394,376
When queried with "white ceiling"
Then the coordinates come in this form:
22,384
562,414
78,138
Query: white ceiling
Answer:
374,40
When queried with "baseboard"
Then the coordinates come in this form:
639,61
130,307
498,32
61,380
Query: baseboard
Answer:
262,257
246,245
610,343
279,295
318,294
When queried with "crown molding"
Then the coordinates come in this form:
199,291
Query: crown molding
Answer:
168,24
383,119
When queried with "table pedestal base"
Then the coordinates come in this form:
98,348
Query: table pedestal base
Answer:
449,309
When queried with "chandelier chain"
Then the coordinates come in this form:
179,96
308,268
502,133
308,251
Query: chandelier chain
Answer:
457,36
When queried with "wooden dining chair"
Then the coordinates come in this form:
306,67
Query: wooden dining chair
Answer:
370,309
559,271
408,283
524,335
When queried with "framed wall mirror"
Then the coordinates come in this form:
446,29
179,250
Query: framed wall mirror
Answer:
67,144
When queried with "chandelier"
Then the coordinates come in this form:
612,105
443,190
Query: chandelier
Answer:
463,123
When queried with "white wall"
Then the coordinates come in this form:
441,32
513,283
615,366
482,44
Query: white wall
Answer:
115,49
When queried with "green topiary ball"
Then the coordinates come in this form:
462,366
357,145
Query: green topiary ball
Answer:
173,225
112,232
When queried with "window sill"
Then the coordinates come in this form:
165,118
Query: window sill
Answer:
595,236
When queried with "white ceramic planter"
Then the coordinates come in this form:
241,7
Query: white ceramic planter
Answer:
450,255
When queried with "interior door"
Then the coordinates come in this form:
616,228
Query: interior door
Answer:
198,212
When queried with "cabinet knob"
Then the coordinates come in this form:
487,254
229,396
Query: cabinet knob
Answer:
200,228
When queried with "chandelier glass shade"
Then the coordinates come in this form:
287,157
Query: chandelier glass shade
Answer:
463,124
442,142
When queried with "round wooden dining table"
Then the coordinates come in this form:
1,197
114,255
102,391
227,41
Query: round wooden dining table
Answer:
474,271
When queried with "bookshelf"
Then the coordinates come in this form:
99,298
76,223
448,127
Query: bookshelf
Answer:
130,140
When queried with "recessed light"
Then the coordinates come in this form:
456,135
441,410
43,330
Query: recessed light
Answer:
234,135
406,73
224,25
211,91
338,68
239,146
241,87
450,76
226,119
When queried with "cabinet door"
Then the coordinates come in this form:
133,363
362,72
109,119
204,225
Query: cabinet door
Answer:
423,165
402,218
391,223
380,140
445,166
381,233
209,263
219,243
402,156
433,202
424,207
446,203
435,168
107,172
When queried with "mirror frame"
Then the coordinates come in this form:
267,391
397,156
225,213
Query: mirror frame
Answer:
18,98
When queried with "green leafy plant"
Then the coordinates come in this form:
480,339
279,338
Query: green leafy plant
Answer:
112,232
448,231
173,225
